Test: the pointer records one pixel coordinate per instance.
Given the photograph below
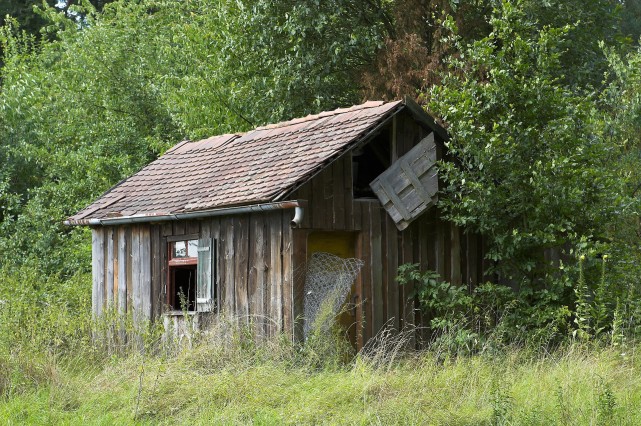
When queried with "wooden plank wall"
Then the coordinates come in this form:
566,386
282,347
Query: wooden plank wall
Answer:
98,272
261,260
254,267
429,241
122,270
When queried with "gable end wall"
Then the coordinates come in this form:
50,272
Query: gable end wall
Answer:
429,241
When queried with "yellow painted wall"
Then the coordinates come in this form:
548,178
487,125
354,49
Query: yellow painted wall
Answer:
340,244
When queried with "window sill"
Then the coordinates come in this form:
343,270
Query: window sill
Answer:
175,313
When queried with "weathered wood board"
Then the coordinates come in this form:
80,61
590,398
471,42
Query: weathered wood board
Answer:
410,185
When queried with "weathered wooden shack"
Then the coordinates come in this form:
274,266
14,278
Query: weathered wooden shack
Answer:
228,223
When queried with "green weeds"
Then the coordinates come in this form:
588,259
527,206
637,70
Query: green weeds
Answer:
58,366
230,377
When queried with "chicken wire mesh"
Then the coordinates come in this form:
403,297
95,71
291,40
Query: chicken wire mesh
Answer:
328,280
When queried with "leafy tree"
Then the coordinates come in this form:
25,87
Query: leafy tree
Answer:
22,11
592,22
26,13
631,20
262,61
73,121
533,164
95,102
411,58
414,51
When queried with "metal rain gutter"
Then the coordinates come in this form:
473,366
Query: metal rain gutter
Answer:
298,205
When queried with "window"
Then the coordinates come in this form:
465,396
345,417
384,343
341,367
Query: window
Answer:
368,162
191,274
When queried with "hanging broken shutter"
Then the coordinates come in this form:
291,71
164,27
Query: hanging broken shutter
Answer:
410,185
204,291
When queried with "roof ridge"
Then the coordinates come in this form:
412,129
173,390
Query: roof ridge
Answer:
323,114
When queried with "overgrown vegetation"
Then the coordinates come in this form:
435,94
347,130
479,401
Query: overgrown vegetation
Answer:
543,103
228,377
52,373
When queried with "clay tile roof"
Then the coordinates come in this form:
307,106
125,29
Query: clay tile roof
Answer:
235,169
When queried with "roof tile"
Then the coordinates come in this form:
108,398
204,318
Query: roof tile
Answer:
238,169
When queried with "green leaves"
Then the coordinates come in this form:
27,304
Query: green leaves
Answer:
535,167
436,296
104,94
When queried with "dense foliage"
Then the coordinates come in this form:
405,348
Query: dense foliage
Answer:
534,164
546,167
97,102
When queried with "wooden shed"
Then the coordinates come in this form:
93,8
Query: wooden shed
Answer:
227,224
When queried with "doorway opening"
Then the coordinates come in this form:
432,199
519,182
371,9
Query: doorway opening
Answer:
343,245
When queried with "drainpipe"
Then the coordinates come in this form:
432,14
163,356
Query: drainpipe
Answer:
298,217
297,205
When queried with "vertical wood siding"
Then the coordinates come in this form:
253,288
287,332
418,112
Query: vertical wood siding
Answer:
110,260
98,270
275,289
122,261
287,274
260,259
429,241
256,279
254,268
122,270
241,245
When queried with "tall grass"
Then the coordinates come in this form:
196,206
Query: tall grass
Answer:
42,321
269,382
57,366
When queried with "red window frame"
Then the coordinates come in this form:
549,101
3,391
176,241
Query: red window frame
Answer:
172,262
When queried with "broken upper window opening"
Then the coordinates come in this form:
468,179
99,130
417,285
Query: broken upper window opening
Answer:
410,185
368,162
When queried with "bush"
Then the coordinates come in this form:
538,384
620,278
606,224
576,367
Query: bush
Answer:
41,320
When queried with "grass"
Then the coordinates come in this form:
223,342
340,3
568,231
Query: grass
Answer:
270,383
52,373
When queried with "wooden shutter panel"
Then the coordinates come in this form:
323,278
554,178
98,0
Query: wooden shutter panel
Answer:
410,186
204,290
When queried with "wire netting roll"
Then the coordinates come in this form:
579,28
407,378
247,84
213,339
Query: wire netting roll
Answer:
328,281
